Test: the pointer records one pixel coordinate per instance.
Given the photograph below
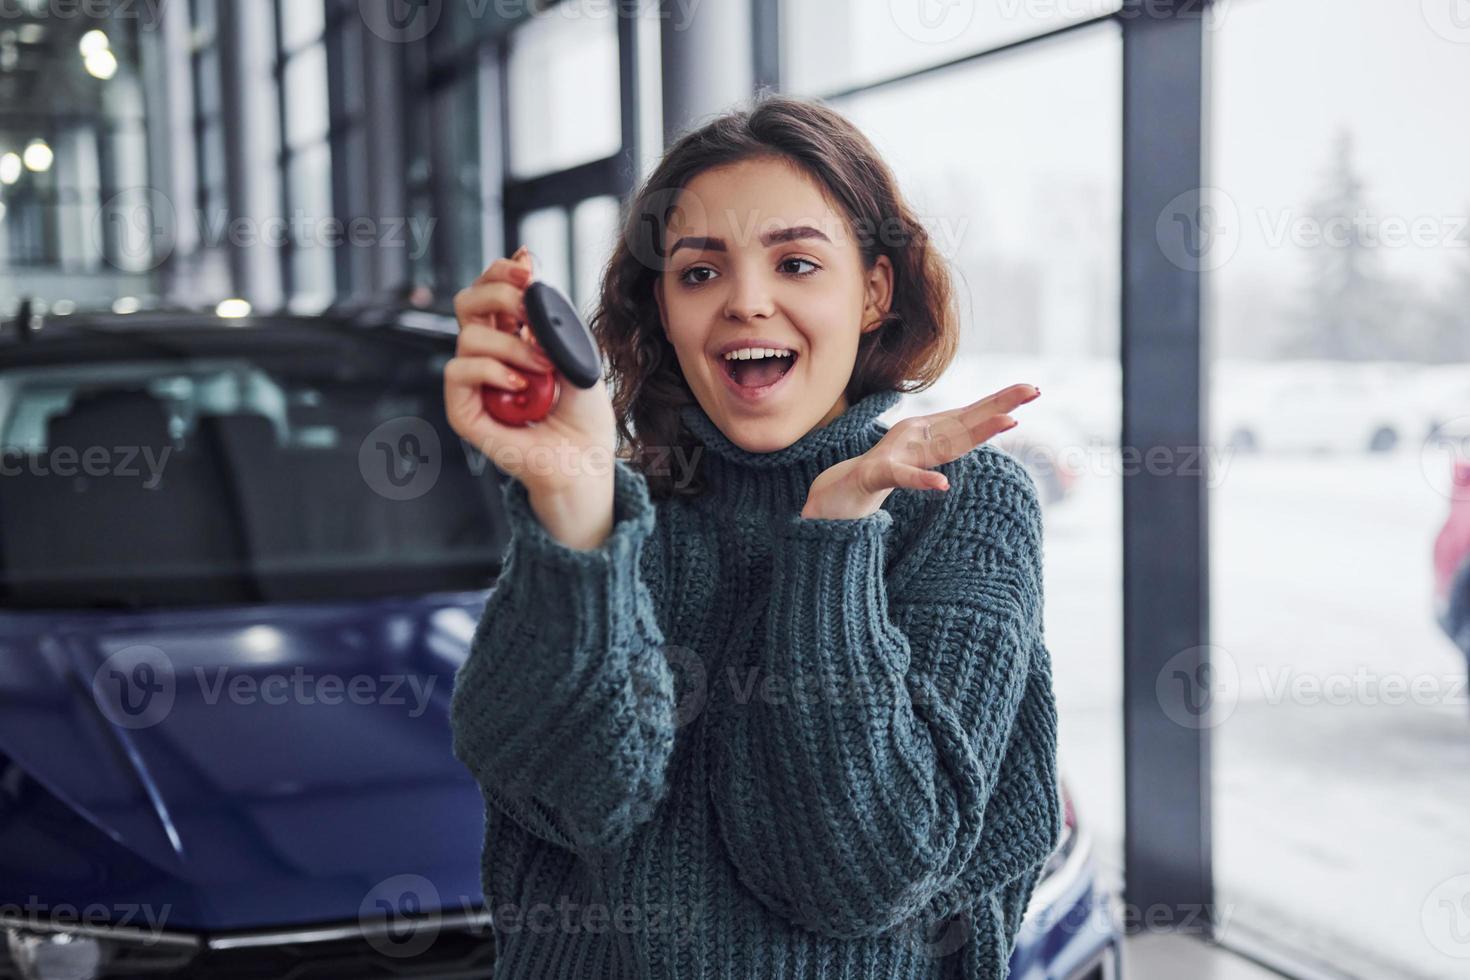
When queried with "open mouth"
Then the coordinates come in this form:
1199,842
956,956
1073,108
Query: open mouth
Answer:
758,367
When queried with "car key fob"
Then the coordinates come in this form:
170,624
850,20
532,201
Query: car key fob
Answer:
561,334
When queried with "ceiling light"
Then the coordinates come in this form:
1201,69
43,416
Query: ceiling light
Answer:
38,156
232,308
101,64
92,42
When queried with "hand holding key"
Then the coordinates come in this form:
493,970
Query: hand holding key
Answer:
496,356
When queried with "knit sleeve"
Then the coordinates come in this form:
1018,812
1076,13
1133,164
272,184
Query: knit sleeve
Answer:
564,708
854,798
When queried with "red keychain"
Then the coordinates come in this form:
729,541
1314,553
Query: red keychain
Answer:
561,335
530,404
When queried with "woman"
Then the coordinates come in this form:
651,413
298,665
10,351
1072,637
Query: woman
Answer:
767,696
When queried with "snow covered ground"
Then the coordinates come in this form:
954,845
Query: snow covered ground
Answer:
1342,766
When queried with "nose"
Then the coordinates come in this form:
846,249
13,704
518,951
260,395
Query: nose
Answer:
749,298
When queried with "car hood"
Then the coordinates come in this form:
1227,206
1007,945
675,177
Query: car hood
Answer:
236,767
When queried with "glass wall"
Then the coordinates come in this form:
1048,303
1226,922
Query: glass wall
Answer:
565,66
595,227
832,45
457,114
420,175
209,133
310,273
71,139
547,233
1023,199
1340,318
563,78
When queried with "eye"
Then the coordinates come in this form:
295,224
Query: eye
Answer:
684,276
801,275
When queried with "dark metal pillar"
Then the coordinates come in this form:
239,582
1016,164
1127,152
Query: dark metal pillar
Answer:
385,115
1165,527
766,43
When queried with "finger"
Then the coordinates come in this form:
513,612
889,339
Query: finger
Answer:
465,406
1006,400
971,430
490,371
954,432
475,372
484,301
918,478
464,377
478,340
520,270
522,274
464,403
932,440
515,269
526,257
992,427
890,473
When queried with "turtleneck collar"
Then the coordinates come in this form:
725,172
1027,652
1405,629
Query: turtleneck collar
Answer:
778,481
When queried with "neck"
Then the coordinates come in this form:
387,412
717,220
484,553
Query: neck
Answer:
777,482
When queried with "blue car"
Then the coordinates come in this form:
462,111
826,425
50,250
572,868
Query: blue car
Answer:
241,561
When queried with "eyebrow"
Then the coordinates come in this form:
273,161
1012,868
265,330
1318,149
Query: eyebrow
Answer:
778,236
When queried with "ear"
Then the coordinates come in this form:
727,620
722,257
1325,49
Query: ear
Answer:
879,290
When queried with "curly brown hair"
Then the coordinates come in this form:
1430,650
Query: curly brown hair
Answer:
912,348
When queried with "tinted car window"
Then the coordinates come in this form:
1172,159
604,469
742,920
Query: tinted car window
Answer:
286,464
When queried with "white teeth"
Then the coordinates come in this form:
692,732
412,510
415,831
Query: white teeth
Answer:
755,353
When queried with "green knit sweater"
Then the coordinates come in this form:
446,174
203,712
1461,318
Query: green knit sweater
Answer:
733,742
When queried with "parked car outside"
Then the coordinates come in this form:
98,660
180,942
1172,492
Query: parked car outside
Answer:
1452,560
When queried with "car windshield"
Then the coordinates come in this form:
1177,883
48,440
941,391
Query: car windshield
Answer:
267,464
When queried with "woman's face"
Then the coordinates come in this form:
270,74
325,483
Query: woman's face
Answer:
760,259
